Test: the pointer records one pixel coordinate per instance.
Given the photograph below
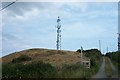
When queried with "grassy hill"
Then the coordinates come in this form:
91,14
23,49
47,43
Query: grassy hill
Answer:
45,63
54,57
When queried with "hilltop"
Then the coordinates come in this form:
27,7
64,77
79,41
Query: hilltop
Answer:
54,57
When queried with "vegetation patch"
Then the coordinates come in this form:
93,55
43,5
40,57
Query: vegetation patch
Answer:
43,70
39,69
115,57
95,58
22,58
78,71
33,70
108,68
71,71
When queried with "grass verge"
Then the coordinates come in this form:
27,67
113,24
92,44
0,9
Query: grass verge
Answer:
108,68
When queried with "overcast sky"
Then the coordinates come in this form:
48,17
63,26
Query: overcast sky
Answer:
32,25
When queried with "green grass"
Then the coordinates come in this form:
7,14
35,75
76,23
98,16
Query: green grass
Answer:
71,71
35,69
108,68
77,71
43,70
95,60
115,57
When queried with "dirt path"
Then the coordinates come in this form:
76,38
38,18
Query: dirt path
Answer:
101,72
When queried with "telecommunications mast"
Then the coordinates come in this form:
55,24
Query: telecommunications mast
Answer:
58,34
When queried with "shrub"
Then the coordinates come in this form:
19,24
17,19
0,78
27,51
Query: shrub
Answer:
22,58
71,71
32,70
78,50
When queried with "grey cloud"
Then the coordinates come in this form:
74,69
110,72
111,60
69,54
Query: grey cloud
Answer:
19,8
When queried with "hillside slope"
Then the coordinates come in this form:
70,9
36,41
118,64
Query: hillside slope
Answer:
46,63
54,57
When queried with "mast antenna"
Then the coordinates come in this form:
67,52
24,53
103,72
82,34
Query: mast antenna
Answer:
58,34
